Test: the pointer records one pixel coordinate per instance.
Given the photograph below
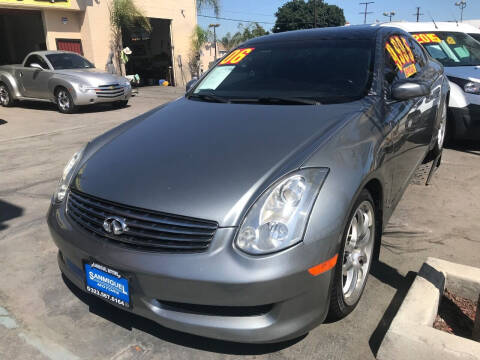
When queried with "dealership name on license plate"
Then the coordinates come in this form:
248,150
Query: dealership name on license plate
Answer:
107,284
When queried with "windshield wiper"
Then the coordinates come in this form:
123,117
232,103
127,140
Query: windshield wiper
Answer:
278,101
210,98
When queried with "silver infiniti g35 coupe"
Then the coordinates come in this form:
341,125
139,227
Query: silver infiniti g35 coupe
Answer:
252,208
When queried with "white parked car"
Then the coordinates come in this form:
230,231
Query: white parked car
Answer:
449,43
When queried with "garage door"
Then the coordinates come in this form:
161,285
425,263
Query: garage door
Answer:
72,45
21,32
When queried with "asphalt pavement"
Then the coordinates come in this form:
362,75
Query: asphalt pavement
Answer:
44,317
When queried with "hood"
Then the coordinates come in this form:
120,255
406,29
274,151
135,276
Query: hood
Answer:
94,77
205,160
471,73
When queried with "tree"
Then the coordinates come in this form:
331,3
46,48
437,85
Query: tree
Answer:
244,33
298,14
199,38
124,14
215,4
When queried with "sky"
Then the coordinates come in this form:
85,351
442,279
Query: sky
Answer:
264,11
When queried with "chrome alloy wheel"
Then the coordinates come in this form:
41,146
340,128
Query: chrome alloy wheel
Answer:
358,252
443,127
4,96
63,100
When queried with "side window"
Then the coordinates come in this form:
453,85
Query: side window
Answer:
418,53
35,59
400,60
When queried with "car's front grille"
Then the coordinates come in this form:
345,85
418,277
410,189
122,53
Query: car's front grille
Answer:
145,229
109,91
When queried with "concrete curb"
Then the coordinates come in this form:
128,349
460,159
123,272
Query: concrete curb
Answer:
411,334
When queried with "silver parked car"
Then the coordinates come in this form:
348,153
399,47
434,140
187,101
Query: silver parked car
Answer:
67,79
254,206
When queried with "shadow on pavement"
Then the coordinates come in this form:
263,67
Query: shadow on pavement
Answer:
3,121
7,212
469,147
391,277
129,321
48,106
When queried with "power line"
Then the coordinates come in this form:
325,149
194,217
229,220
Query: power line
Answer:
237,20
254,21
366,10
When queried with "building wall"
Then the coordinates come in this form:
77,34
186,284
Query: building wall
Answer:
183,14
88,20
56,29
207,55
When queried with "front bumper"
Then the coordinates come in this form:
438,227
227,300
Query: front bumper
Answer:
91,97
221,293
466,122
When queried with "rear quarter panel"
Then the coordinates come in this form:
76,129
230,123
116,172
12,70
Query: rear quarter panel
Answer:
7,76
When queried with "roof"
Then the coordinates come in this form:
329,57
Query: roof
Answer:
47,52
345,32
430,26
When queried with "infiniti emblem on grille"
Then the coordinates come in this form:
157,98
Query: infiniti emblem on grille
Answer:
115,225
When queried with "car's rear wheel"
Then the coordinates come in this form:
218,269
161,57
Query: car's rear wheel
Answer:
355,257
64,101
5,96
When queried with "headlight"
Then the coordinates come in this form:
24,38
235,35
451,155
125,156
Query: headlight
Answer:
67,175
472,88
279,217
126,83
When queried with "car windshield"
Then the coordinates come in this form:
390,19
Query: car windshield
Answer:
475,36
300,72
451,48
64,61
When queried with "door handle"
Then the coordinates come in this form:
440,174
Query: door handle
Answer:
20,74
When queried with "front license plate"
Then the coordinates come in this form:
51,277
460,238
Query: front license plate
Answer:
107,284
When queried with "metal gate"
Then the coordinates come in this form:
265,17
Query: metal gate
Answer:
72,45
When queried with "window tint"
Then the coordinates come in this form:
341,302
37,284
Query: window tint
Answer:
63,61
35,59
475,36
418,53
323,70
402,59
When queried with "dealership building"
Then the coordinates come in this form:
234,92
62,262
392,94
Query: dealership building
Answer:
83,26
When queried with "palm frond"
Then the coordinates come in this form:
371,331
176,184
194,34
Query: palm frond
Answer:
214,4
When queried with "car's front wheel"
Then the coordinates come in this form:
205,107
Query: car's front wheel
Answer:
120,104
5,96
355,257
64,101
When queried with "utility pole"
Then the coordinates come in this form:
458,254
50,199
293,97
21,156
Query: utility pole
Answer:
418,14
365,13
389,14
214,26
315,14
462,5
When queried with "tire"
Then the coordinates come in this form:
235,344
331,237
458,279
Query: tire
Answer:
442,132
120,104
64,101
6,99
354,261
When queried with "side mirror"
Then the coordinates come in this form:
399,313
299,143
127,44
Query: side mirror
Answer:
191,83
36,66
405,90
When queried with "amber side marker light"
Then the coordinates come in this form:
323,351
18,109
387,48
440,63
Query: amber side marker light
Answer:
323,267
